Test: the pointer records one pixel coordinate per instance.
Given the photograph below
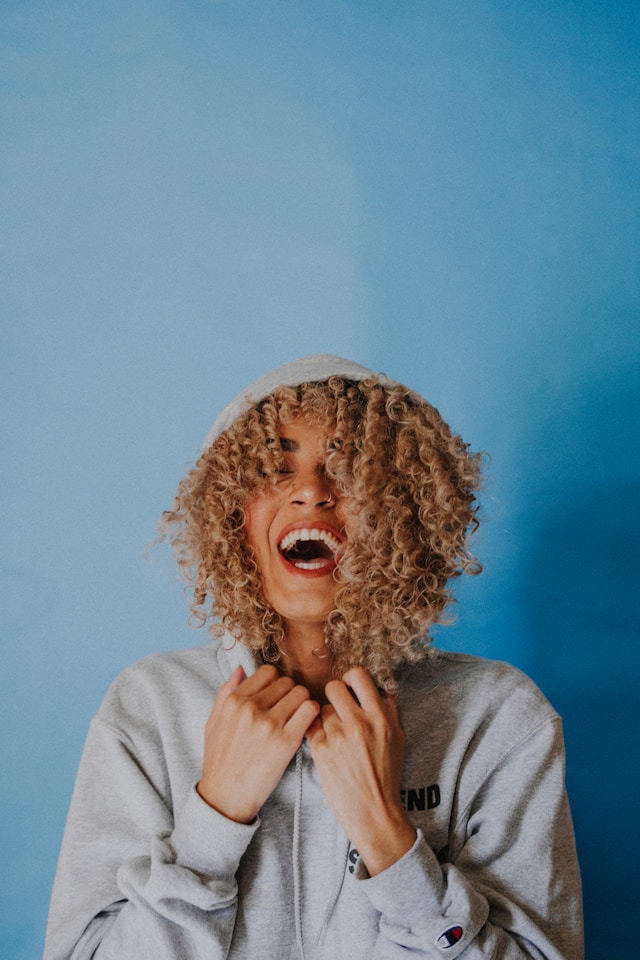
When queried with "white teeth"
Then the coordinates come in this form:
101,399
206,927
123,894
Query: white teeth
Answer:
295,536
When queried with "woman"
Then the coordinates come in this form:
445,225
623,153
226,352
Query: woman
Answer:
357,794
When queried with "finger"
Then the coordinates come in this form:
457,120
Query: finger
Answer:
315,732
356,689
360,682
300,721
237,677
340,699
286,705
238,681
270,695
328,713
263,676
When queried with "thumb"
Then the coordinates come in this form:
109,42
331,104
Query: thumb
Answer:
237,677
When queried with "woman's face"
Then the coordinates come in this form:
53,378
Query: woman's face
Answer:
296,532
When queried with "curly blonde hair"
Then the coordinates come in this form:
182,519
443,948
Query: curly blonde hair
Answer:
407,486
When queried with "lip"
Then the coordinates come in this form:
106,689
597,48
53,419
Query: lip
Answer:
309,524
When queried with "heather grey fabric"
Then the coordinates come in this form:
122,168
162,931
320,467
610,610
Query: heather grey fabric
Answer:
148,871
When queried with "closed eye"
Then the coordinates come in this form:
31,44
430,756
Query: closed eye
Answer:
264,474
282,474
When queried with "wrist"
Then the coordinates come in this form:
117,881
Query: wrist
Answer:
241,815
383,843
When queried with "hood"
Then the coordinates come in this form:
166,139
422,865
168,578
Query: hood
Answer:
321,366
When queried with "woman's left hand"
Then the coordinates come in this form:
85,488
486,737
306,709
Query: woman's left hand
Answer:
358,748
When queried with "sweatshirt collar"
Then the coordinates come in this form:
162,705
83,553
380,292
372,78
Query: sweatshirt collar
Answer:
231,654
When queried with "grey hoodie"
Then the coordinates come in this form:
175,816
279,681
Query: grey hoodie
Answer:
149,871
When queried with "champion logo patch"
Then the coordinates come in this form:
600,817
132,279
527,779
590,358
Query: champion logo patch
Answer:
449,938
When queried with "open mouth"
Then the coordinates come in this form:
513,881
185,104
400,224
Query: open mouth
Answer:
310,548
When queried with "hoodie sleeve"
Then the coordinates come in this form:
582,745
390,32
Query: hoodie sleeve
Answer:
511,886
132,884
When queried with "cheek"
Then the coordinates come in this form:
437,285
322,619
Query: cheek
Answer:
258,517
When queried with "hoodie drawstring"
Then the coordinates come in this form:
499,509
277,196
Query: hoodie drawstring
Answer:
295,854
295,857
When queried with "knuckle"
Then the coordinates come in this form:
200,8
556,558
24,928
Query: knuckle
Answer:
246,710
360,733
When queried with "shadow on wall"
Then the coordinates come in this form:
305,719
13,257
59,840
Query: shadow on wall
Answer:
582,601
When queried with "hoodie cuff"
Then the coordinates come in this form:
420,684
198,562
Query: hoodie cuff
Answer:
207,842
421,902
407,876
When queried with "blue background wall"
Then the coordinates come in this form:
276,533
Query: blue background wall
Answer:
196,191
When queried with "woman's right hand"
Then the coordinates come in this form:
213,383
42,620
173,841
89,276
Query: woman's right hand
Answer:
256,726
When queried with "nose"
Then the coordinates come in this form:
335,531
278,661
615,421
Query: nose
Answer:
311,487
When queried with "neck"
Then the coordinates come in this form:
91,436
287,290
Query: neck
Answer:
307,660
